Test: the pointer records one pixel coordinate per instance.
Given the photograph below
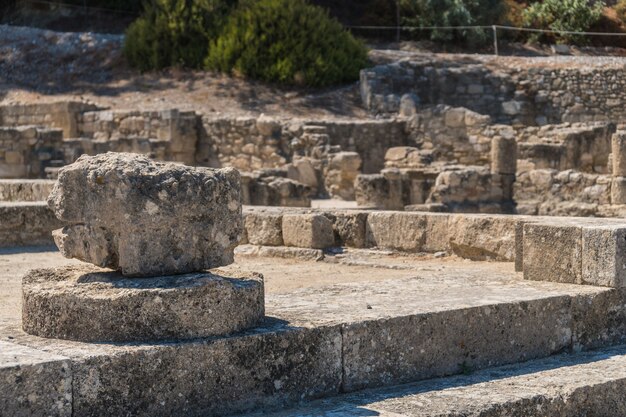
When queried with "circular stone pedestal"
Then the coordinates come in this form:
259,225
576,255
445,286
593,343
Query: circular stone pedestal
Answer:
91,304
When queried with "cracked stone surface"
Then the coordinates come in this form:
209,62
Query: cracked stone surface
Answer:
146,218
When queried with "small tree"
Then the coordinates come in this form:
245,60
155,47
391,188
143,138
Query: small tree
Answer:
287,42
564,15
427,13
174,32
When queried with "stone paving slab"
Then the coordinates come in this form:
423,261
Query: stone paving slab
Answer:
583,384
382,326
33,382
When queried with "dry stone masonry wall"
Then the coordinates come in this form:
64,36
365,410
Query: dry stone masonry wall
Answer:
535,95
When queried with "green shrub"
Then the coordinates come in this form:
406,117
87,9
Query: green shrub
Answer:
564,15
174,32
288,42
426,13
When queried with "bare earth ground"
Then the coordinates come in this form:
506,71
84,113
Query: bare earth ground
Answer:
39,65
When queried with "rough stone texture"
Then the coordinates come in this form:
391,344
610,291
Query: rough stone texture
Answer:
583,384
604,256
284,252
264,229
553,253
416,356
349,227
618,190
94,305
396,230
26,152
26,224
152,218
482,237
34,383
562,193
308,231
504,155
559,94
343,169
25,190
618,148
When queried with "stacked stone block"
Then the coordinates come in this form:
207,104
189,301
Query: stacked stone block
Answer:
153,231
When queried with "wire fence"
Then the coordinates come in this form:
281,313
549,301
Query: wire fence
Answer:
398,30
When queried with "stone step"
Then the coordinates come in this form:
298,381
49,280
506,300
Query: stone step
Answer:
319,341
583,384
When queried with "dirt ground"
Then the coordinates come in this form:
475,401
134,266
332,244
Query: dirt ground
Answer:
39,65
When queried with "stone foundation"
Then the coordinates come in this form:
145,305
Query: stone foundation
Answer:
90,304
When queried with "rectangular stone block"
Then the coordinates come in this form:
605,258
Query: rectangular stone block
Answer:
618,149
396,230
503,155
264,368
264,229
349,227
604,256
308,231
34,383
27,224
404,349
437,236
145,218
553,253
618,190
482,237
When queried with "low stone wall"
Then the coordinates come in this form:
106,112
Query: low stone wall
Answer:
509,94
454,135
64,115
250,144
565,193
167,135
26,151
582,147
27,224
25,190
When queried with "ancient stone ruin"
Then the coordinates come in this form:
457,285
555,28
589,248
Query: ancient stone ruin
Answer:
159,227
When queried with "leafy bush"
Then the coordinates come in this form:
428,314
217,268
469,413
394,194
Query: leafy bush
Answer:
289,42
564,15
426,13
174,32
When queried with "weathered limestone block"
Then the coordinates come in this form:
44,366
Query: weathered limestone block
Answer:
618,149
308,231
503,155
90,304
604,255
264,229
482,237
349,227
395,230
344,167
146,218
553,253
618,190
34,383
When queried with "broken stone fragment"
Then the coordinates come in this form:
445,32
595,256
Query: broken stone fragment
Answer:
147,218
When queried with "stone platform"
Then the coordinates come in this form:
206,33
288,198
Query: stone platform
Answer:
357,319
91,304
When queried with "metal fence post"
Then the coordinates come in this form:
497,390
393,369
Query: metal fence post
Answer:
495,38
398,21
